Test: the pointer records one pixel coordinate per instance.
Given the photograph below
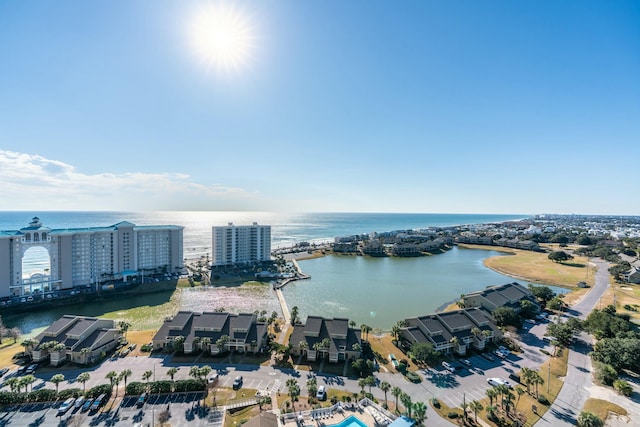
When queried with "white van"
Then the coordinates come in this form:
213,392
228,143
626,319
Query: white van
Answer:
322,393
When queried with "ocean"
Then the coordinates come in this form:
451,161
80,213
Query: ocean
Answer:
287,229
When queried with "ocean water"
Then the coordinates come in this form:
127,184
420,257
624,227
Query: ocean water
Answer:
286,228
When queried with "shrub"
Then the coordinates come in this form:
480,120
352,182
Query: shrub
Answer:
189,385
69,392
452,415
135,388
605,374
623,387
542,399
435,403
42,395
98,390
413,377
160,387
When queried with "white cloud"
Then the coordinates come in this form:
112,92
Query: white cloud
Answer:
34,182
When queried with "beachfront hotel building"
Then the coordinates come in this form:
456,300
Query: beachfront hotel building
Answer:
241,244
79,257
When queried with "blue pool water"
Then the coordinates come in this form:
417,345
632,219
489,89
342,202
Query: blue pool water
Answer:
352,421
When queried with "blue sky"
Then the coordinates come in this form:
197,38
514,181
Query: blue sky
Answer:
413,106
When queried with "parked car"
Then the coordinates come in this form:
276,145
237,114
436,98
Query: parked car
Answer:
141,400
66,405
87,405
322,393
100,400
3,371
530,321
495,381
466,362
79,402
31,369
500,354
449,367
237,382
514,377
488,357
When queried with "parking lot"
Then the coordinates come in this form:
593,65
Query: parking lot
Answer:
470,383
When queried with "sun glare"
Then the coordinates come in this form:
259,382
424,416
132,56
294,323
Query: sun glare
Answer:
222,36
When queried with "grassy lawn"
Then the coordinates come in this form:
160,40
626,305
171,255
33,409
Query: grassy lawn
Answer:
7,350
147,317
626,294
539,268
601,408
236,418
382,346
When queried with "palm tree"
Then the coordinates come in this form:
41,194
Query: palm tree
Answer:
312,386
178,343
491,394
85,351
536,379
490,411
13,383
419,412
205,344
304,346
195,372
475,407
124,327
294,390
205,371
222,342
124,375
83,378
111,376
406,402
57,379
525,376
28,344
352,323
26,381
587,419
395,332
172,372
455,341
146,375
385,387
362,382
519,391
396,392
116,382
294,315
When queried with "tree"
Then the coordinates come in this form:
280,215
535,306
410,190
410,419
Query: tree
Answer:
294,390
222,342
507,316
26,381
13,383
124,375
424,352
396,392
178,343
28,344
407,403
555,304
111,376
528,309
172,372
146,376
385,387
491,394
542,293
83,378
587,419
294,315
419,412
205,344
476,407
519,391
124,326
312,386
57,379
362,383
559,256
85,352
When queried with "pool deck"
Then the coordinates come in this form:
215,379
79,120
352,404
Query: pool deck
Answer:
336,418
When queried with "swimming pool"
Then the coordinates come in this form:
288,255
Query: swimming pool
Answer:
352,421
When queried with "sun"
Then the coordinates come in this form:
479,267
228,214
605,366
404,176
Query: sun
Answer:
222,36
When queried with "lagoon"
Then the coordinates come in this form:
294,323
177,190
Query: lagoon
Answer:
381,291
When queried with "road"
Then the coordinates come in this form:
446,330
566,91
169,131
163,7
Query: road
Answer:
574,393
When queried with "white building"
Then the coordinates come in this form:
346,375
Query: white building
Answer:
239,244
85,256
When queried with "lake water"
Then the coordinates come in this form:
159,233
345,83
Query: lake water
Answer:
381,291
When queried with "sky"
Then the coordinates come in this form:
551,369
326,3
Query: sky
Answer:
514,107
